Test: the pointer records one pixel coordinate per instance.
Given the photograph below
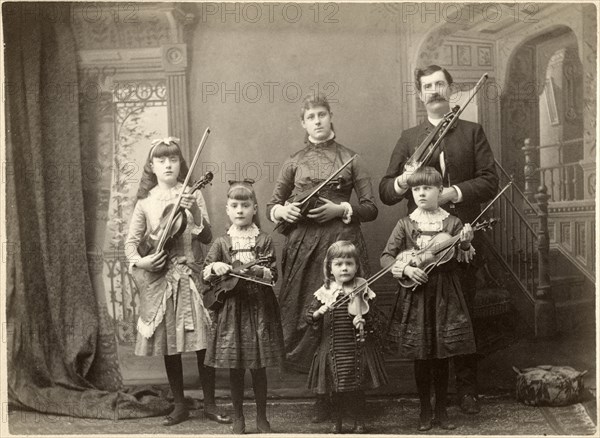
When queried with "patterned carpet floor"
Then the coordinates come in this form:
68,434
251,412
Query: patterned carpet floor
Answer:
500,415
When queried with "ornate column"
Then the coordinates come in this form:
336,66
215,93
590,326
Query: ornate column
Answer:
174,58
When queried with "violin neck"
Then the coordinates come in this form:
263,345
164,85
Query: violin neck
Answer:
417,156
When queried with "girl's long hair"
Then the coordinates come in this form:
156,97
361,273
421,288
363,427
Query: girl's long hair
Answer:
243,191
341,249
160,148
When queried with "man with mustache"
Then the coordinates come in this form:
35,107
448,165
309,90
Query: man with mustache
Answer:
466,163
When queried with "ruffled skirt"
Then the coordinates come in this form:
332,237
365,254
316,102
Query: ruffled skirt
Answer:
184,327
246,331
433,321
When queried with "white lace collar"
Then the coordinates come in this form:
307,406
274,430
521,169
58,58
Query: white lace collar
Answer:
329,295
249,232
165,194
429,217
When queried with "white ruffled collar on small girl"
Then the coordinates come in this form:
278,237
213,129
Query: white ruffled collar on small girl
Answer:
428,217
249,232
329,295
165,194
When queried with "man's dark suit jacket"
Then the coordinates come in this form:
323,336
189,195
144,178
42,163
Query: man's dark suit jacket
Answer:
469,166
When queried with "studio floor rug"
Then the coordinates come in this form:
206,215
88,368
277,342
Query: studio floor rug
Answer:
385,416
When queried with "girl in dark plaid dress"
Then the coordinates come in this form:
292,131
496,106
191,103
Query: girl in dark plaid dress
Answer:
346,362
433,323
246,331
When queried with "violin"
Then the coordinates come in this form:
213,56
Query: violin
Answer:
166,231
359,306
222,287
439,250
150,241
309,199
314,201
357,298
425,151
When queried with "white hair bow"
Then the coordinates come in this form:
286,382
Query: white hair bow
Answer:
166,140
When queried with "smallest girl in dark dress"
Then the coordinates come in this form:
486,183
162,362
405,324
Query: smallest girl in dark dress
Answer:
434,323
246,331
346,362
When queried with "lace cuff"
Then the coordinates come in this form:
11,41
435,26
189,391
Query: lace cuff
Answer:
267,274
465,255
347,217
197,229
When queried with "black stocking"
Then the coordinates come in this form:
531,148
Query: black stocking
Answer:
423,379
337,408
236,381
259,384
440,382
358,406
175,377
207,380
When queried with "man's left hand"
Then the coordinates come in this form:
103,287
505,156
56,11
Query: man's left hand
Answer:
449,194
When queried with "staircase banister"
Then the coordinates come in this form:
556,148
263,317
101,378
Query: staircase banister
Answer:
520,215
505,173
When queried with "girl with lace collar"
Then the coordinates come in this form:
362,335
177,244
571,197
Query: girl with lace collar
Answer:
434,323
172,318
246,330
344,364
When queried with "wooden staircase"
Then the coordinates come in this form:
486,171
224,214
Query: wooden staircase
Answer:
539,253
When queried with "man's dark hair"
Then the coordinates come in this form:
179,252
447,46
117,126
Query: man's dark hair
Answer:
430,69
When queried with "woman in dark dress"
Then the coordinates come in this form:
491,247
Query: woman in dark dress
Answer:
335,218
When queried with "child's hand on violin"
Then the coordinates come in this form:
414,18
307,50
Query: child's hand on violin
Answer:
289,213
220,268
188,200
329,210
359,322
416,274
321,311
153,262
398,268
466,236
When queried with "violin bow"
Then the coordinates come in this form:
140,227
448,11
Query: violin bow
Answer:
356,290
251,278
320,186
163,238
258,261
474,222
328,180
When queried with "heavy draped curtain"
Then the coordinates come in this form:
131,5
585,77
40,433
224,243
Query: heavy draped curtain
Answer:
61,351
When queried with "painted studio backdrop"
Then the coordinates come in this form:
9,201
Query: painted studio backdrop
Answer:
111,77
